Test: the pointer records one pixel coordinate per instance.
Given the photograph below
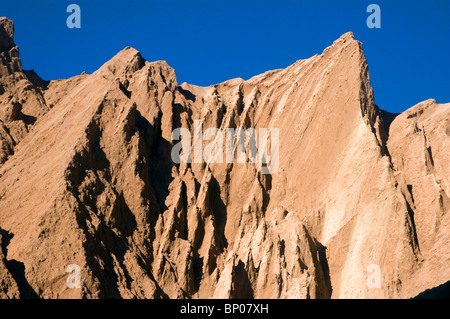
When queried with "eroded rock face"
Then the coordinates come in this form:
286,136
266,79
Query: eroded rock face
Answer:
418,144
21,99
90,181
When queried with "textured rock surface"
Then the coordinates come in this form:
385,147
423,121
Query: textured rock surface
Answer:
86,178
21,99
419,146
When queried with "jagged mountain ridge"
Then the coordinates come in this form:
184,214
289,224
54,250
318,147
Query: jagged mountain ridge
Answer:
90,181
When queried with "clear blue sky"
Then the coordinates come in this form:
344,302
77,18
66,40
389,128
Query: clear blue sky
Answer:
210,41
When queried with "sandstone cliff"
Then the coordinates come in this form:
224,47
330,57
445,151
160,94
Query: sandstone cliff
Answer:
86,178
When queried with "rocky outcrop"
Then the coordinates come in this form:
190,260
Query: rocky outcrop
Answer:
418,144
90,181
21,99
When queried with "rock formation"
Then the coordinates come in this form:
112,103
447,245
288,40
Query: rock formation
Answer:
87,178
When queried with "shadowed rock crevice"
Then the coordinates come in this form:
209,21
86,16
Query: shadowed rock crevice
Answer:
324,284
17,270
387,118
242,286
13,280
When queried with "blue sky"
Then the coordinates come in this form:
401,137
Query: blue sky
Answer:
210,41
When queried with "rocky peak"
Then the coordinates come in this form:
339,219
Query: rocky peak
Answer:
21,100
6,34
128,60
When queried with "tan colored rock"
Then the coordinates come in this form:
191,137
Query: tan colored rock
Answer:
90,181
21,98
419,143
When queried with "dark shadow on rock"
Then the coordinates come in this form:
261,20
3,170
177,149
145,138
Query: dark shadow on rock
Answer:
242,285
98,254
5,239
188,95
122,218
411,221
198,271
439,292
101,246
322,253
160,163
176,118
36,79
322,270
16,269
124,90
388,118
265,181
28,119
102,243
219,211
